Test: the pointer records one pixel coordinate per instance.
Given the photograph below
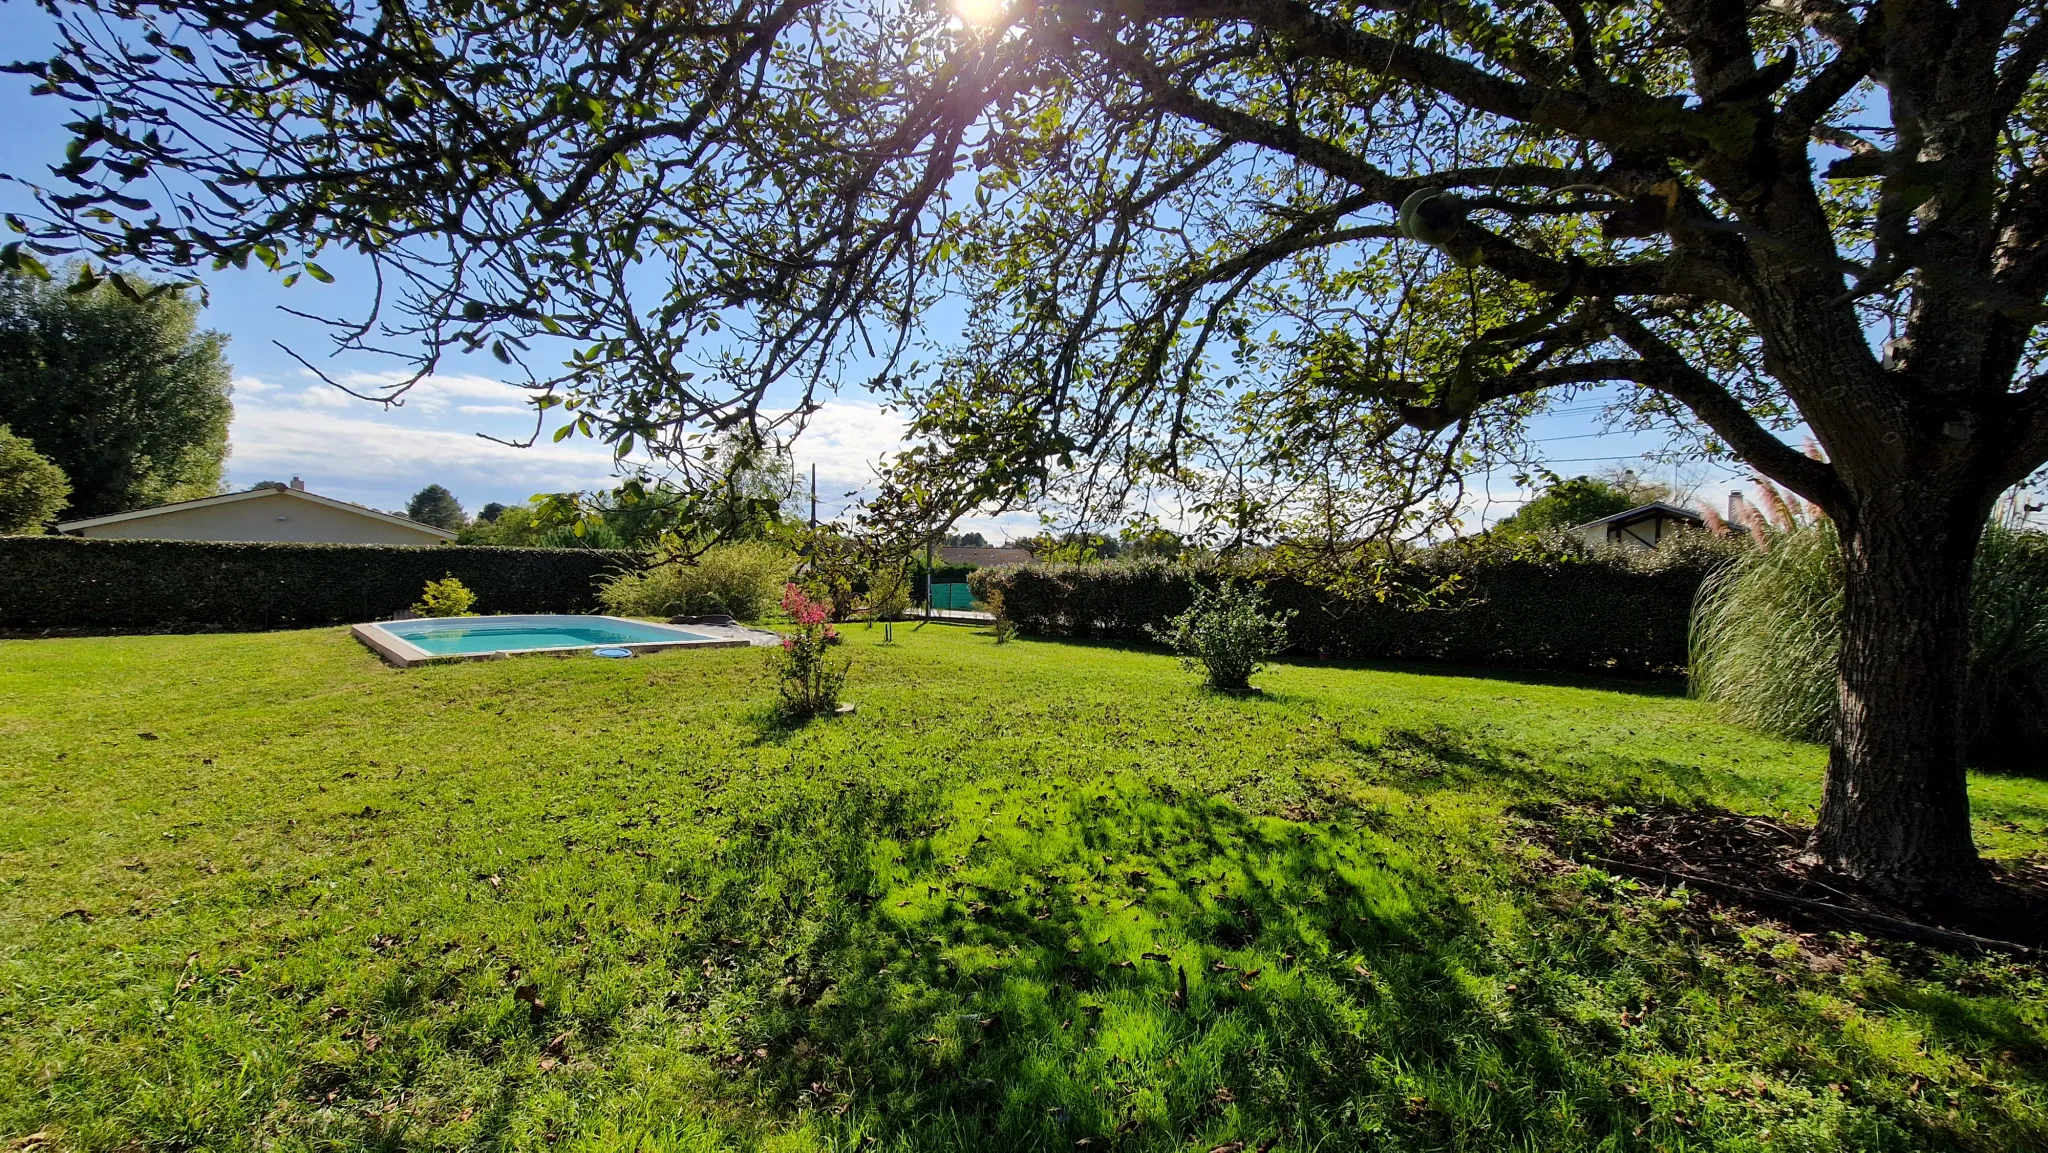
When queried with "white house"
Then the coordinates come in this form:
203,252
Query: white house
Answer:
270,514
1644,527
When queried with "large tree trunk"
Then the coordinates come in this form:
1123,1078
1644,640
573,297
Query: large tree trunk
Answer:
1896,811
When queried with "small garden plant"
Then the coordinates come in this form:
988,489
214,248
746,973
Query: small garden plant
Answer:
447,597
811,680
1004,628
1227,633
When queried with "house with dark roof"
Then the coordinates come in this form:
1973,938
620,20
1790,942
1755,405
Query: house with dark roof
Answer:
1644,527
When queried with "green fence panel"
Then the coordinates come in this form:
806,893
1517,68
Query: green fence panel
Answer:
952,596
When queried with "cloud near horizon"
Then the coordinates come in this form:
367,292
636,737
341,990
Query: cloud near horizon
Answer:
380,455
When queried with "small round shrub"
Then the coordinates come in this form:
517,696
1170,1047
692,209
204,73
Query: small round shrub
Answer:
447,597
1228,634
1004,628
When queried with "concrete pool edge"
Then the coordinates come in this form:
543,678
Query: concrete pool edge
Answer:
401,653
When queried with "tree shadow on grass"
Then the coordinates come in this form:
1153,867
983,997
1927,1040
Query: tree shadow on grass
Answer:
1132,970
1633,685
1599,682
1441,757
774,726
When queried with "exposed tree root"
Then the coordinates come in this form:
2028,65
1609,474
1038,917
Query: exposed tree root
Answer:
1758,863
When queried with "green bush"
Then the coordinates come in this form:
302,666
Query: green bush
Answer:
1767,630
888,595
2008,685
1228,634
32,488
1003,627
743,580
69,582
1619,611
447,597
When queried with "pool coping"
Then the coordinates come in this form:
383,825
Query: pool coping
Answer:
403,654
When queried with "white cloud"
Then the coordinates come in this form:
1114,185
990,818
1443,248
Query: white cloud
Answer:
380,458
362,451
431,394
326,396
847,441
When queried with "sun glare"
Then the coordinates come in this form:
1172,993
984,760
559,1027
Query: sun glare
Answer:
980,13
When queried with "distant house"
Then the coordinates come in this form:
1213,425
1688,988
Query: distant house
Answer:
1644,527
984,557
270,513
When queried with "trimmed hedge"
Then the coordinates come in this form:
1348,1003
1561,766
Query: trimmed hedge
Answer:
73,582
1607,614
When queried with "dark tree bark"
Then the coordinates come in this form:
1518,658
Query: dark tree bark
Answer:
1896,811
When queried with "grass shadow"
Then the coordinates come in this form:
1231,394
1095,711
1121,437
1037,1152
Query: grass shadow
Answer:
773,726
1554,678
1124,969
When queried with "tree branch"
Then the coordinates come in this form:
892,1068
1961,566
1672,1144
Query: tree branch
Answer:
1619,116
1644,278
1665,369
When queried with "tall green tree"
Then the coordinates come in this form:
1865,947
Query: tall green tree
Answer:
122,389
32,488
436,506
1313,262
1565,503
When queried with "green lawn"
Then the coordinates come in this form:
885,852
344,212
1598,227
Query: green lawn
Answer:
1042,896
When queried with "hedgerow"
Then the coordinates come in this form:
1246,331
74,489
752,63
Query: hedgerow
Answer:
72,582
1610,611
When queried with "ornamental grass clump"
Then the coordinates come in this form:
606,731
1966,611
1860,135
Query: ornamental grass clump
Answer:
1228,634
1767,629
810,679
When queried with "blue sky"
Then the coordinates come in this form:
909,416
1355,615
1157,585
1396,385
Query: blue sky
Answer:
288,423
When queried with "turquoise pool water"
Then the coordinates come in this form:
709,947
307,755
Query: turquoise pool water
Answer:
466,635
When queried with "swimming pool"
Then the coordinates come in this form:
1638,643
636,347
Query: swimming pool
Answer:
412,642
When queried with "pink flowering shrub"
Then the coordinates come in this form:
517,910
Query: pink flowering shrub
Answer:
810,681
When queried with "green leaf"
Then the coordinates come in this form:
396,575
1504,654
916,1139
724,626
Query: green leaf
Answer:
318,273
563,432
